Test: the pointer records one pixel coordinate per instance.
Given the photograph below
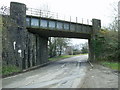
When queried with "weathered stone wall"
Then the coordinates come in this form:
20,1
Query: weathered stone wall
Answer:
20,47
7,40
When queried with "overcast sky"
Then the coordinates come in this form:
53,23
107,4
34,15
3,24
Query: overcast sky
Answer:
88,9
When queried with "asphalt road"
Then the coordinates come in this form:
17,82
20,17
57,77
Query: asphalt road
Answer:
66,73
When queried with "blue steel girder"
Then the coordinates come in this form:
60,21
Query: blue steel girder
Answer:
57,28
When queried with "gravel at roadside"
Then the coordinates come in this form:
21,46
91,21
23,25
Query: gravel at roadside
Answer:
100,77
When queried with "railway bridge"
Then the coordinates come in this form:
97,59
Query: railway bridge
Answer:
25,36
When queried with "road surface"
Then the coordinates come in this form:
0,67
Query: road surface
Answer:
66,73
101,77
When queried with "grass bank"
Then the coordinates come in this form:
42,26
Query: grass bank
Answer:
112,65
6,70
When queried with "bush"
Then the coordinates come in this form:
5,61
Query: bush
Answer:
106,45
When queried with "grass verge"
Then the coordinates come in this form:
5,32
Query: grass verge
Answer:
60,57
6,70
63,57
112,65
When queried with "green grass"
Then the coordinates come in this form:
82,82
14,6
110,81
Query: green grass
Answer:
84,54
62,57
10,69
112,65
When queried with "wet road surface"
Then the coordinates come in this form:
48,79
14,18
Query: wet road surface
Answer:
66,73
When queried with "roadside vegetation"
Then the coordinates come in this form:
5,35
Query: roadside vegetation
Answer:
112,65
7,70
107,43
60,57
106,47
63,57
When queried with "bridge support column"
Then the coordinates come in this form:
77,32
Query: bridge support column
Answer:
14,35
91,54
96,27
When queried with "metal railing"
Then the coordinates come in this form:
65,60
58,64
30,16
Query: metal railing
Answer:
41,13
53,15
4,10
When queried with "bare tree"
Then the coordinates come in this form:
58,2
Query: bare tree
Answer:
4,10
114,24
57,46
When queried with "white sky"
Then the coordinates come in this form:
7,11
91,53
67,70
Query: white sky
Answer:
88,9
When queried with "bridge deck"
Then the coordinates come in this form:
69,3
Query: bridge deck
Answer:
57,28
